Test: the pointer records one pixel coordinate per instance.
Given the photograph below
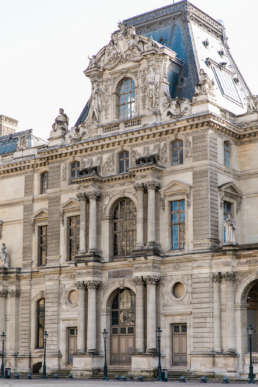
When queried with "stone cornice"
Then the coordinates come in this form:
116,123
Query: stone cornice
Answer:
137,136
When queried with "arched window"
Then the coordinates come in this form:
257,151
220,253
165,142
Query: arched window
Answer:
43,182
126,99
123,161
75,169
124,227
40,323
177,152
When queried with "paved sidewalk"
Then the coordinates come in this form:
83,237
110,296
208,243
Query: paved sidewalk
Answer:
101,383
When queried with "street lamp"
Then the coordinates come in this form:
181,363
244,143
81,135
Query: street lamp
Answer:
3,336
105,334
251,375
44,373
158,333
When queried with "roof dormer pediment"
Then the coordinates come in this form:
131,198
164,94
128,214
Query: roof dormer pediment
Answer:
125,46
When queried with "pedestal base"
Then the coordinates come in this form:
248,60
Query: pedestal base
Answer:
87,365
215,363
144,364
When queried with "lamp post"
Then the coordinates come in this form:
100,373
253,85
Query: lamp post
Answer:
158,333
44,373
251,375
105,334
3,336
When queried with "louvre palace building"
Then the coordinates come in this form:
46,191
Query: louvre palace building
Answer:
142,215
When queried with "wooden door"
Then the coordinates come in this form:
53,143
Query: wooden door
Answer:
179,344
72,344
123,327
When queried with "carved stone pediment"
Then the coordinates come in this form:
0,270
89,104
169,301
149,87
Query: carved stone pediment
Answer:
230,191
70,204
125,45
41,214
177,188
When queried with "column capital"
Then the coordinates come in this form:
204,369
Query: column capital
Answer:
14,293
229,276
93,195
152,279
138,280
93,284
217,277
80,285
139,186
153,185
3,293
81,196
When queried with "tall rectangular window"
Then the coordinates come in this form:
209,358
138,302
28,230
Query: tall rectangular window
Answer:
73,236
177,152
228,207
42,245
178,224
227,154
43,182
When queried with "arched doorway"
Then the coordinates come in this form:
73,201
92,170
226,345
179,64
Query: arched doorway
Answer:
252,312
122,327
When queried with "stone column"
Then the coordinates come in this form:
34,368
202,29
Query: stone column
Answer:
230,277
139,323
152,186
11,320
3,295
93,196
92,316
82,199
151,312
82,317
217,311
139,187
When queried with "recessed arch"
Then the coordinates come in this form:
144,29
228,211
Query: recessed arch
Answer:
122,325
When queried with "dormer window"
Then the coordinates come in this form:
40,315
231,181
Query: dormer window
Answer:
126,99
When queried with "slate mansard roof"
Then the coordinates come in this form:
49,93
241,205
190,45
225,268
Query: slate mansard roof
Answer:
200,42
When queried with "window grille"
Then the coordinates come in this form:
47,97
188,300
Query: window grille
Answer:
178,224
73,236
42,245
124,227
126,99
177,152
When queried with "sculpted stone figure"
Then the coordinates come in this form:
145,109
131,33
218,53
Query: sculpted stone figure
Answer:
205,85
230,230
4,256
61,122
124,45
252,103
96,102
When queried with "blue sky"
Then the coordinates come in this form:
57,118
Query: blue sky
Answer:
45,44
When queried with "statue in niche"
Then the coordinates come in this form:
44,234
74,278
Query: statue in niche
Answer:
4,256
230,230
61,122
152,87
96,102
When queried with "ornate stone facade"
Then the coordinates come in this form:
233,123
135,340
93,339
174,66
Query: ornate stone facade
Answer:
148,218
